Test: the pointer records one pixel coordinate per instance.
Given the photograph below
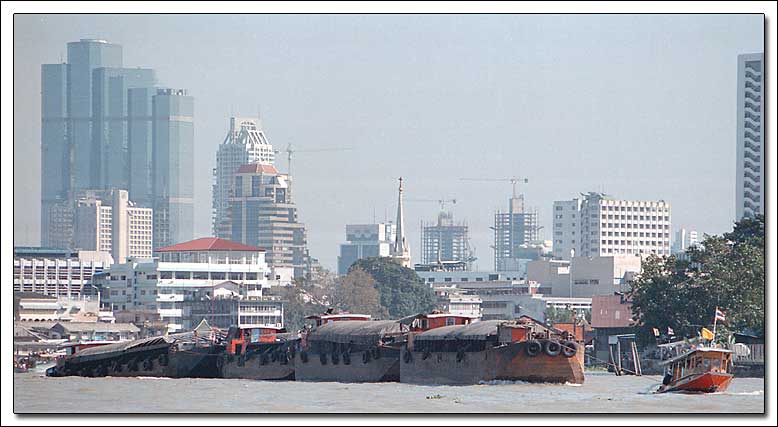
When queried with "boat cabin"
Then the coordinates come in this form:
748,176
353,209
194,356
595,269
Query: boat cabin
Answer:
75,347
238,337
321,319
436,319
699,361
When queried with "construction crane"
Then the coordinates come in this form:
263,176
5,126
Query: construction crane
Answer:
513,180
289,151
442,202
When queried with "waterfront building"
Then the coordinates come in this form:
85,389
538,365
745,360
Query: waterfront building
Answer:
173,166
164,287
262,213
584,277
603,226
94,331
401,251
112,223
611,315
684,239
364,241
445,240
750,136
514,229
223,305
57,272
245,143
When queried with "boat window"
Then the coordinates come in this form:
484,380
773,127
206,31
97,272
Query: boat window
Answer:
716,364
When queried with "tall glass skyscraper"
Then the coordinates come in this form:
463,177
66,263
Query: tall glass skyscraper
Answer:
750,134
173,166
55,147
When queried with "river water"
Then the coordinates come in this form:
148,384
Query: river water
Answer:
602,392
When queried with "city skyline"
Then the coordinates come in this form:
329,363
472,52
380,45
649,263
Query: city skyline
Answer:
432,136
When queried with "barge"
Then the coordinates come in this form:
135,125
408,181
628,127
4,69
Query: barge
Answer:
489,350
350,348
259,354
183,355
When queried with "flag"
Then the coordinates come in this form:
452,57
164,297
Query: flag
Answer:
720,315
706,334
656,332
670,331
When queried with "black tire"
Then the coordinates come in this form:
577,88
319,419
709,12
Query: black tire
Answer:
533,348
376,353
407,356
552,348
274,356
335,358
264,359
346,358
163,359
147,365
366,357
569,348
304,357
460,355
323,358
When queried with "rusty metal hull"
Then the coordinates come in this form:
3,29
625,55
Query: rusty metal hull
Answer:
255,367
507,362
386,368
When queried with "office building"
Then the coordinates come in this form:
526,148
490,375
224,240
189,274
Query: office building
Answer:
749,181
112,223
245,143
603,226
513,230
57,272
262,213
684,239
173,166
584,277
365,241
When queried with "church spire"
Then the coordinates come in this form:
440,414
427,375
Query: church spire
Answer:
401,250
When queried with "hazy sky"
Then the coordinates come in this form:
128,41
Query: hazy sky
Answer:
639,107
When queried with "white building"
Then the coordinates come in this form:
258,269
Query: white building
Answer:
364,241
162,287
245,143
57,272
116,226
584,277
603,226
750,135
684,239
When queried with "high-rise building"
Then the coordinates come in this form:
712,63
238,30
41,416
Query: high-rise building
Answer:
84,57
513,231
606,226
444,240
57,272
262,213
567,228
750,135
364,241
110,121
173,166
140,147
108,221
245,143
684,239
55,146
401,251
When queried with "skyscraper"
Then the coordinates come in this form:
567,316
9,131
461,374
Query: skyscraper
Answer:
750,133
262,213
84,57
55,146
173,166
513,229
245,143
110,121
140,147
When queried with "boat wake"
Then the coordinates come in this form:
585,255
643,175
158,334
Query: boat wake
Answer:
501,382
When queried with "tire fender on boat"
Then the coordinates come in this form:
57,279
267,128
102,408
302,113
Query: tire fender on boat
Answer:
407,356
533,348
569,348
552,348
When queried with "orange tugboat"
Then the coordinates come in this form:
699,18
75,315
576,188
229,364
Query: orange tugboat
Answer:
699,370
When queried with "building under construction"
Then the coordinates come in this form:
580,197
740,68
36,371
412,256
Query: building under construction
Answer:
513,232
445,240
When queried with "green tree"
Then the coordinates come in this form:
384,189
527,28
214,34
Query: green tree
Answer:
401,291
724,271
356,293
298,304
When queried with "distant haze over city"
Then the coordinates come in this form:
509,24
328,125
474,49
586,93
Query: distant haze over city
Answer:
637,107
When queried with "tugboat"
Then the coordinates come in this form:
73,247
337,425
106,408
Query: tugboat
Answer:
259,354
698,370
184,355
350,348
488,350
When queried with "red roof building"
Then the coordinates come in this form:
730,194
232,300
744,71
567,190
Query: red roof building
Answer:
258,168
210,244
